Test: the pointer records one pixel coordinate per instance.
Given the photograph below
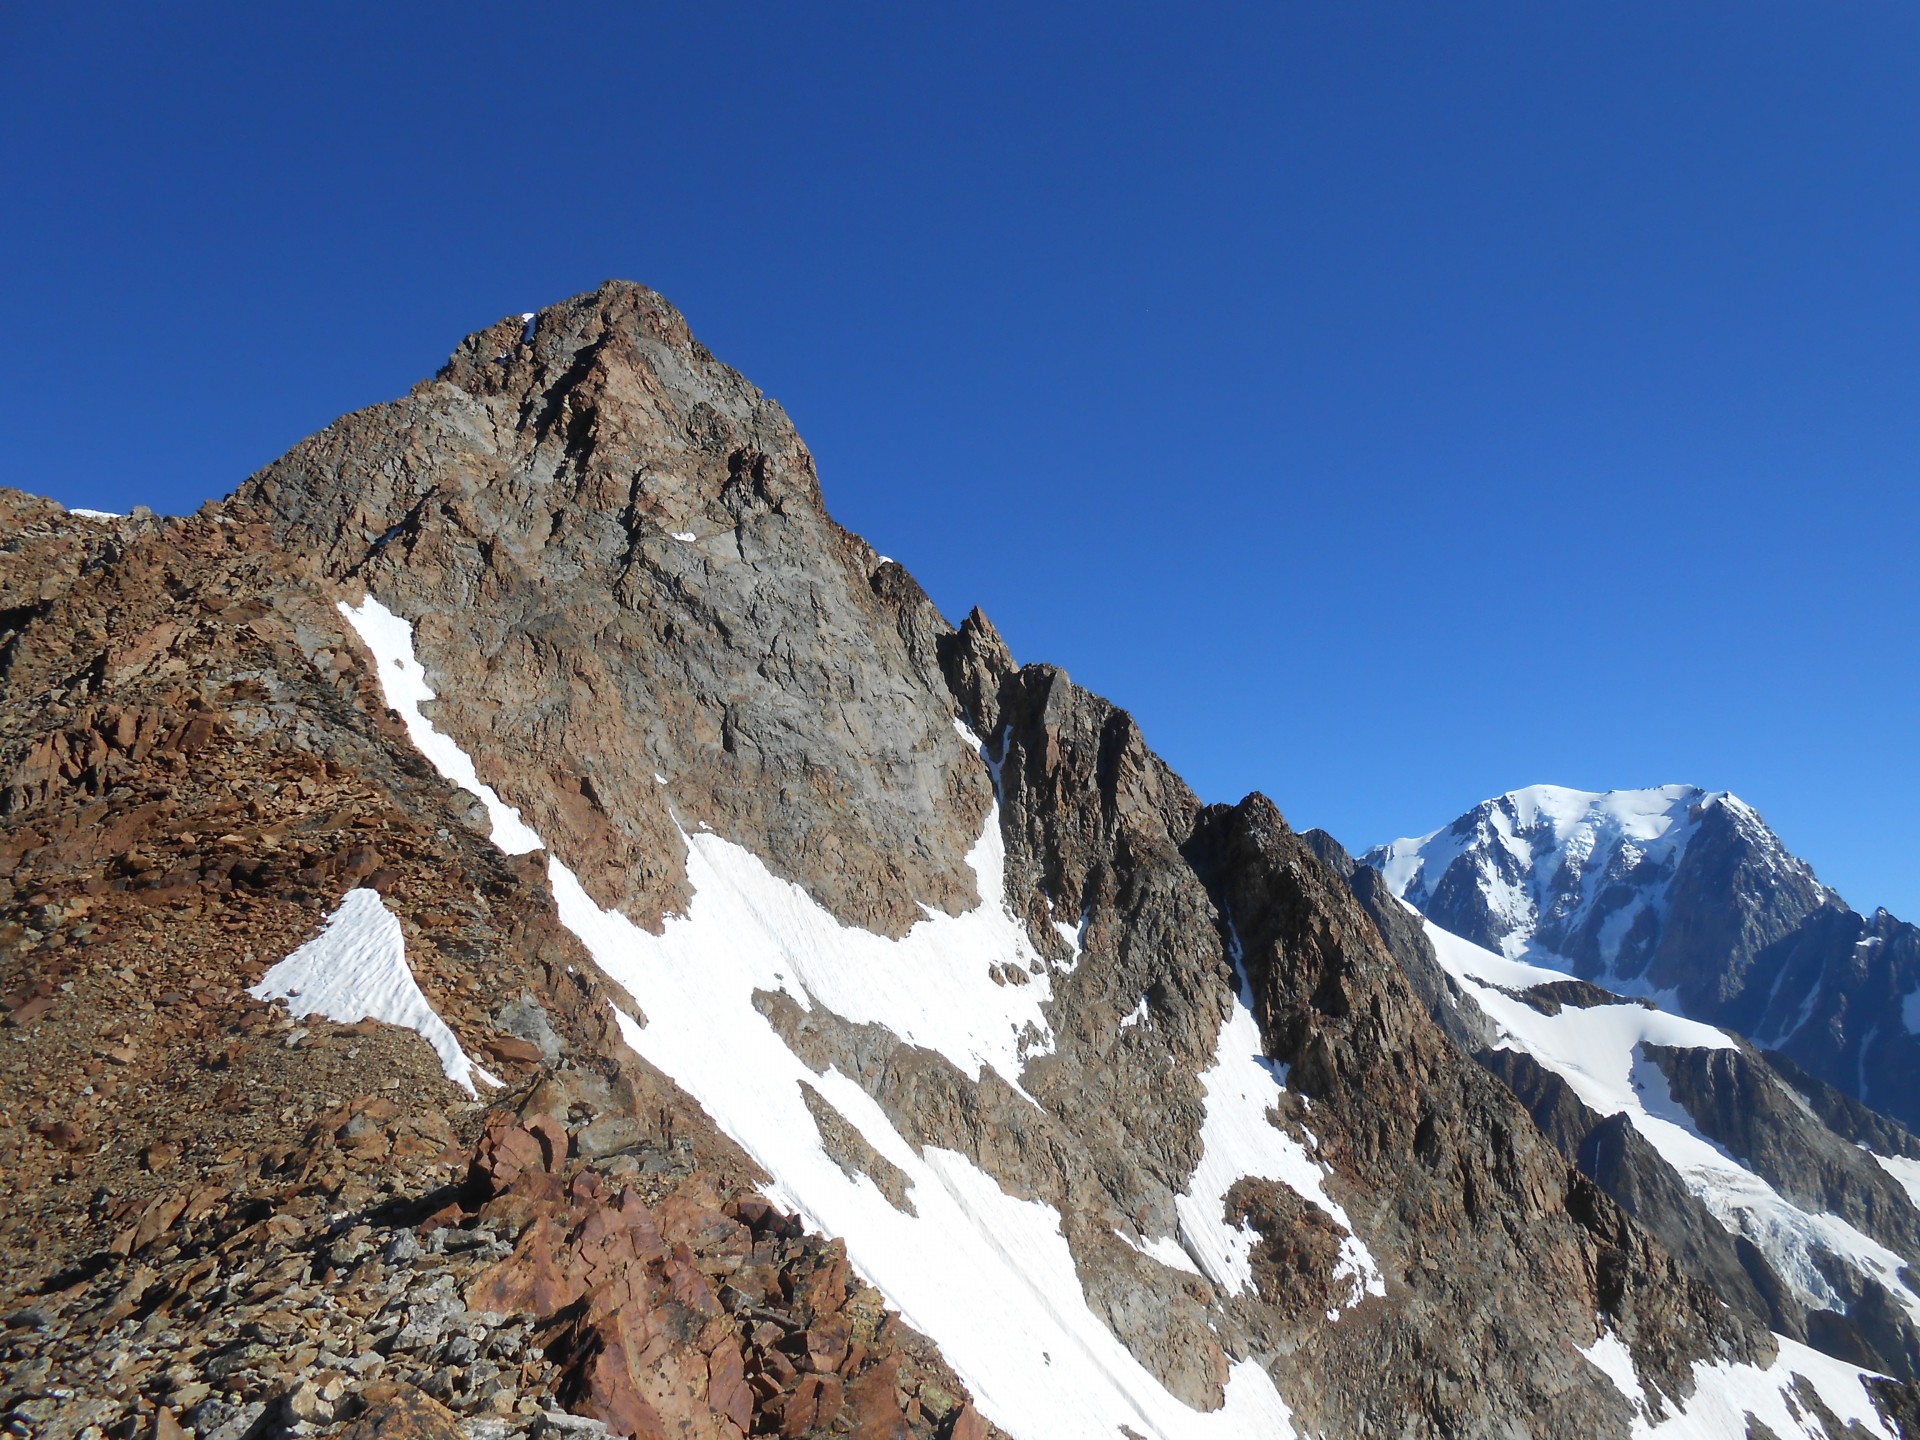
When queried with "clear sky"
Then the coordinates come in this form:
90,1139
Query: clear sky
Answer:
1391,405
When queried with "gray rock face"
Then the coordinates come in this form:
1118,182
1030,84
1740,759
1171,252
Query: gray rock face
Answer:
613,548
1761,1118
1838,997
526,511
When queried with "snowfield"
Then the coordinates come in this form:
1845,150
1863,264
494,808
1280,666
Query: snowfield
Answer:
1583,830
1546,853
987,1275
1597,1052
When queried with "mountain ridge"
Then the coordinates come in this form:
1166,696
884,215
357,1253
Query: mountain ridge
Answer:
754,759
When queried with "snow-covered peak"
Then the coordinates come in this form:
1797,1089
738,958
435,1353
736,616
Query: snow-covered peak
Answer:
1581,874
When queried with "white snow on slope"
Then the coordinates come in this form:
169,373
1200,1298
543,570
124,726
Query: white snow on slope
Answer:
403,680
987,1275
1610,1356
1726,1394
86,514
1537,830
1906,1171
1597,1052
1163,1248
1074,935
933,988
1237,1140
357,969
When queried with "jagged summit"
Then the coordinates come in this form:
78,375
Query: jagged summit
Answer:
1585,875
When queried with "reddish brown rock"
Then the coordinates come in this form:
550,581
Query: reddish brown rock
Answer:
397,1411
827,1343
815,1404
874,1400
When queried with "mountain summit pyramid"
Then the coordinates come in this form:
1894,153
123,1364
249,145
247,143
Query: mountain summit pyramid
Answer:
887,1042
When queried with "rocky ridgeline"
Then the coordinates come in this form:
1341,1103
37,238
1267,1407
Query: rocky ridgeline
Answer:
226,1222
1715,913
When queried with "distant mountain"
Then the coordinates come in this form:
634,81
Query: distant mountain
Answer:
1686,895
1797,1204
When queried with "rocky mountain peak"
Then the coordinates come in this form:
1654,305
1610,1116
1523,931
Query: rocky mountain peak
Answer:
1591,878
623,541
544,719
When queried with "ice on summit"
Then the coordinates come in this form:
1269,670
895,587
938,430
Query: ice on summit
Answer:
1543,857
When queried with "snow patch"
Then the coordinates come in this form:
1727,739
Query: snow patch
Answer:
1726,1394
529,320
1238,1141
685,537
1044,1364
1075,936
1906,1171
356,969
1135,1016
403,681
1163,1248
1612,1359
86,514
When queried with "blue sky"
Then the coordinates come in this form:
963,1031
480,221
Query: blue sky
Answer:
1391,405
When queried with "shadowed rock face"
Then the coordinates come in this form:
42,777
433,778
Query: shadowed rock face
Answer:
526,510
1801,1138
523,511
1836,997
